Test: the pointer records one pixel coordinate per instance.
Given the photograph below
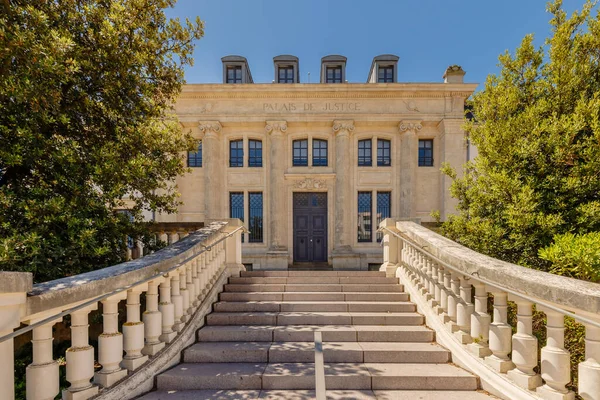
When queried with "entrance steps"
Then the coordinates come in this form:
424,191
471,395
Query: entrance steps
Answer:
259,343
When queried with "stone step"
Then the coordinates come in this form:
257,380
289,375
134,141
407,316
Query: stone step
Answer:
310,395
310,273
305,333
376,376
334,352
309,287
314,318
329,306
314,296
314,280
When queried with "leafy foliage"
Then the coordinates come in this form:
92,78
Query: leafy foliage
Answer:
577,256
86,128
537,130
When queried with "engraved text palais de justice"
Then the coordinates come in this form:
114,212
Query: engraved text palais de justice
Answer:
314,107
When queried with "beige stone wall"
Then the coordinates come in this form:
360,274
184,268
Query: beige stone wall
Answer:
278,114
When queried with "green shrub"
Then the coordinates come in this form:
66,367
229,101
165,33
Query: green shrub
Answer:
577,256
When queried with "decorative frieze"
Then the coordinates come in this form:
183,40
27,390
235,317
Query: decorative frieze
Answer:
310,184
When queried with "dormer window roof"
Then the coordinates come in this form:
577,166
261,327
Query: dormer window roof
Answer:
384,69
333,69
287,69
236,70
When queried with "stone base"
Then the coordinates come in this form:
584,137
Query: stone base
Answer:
452,326
151,349
443,316
108,379
498,365
479,350
345,259
463,337
167,337
389,269
178,326
432,303
277,260
234,269
133,363
547,393
529,382
81,394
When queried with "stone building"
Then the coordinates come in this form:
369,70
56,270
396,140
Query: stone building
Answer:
311,168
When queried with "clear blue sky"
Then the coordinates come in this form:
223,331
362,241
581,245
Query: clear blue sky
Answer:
427,35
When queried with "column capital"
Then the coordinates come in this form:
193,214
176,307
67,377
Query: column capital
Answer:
276,127
209,128
343,126
410,125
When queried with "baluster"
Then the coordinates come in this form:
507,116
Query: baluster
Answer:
213,265
196,281
589,370
177,300
439,292
433,289
41,376
152,321
110,344
204,276
185,294
139,248
183,235
189,284
80,358
167,310
173,237
480,323
464,310
428,273
556,362
500,335
524,348
453,301
164,237
133,333
445,293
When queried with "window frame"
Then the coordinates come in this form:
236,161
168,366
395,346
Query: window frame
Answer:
426,153
255,154
381,160
361,214
195,156
334,69
235,79
320,160
367,159
385,69
289,74
239,157
299,161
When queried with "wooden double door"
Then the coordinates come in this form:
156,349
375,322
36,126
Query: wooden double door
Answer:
310,227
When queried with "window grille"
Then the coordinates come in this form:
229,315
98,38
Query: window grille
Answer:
255,212
364,217
236,207
384,205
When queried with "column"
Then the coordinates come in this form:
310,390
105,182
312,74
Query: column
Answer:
152,321
133,333
344,199
409,156
110,344
213,166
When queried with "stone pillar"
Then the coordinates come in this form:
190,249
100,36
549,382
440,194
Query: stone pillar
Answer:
409,158
277,255
212,162
345,202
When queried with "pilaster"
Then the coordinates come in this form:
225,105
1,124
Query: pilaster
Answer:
409,158
213,168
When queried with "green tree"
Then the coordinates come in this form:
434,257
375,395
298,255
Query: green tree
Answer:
537,130
86,127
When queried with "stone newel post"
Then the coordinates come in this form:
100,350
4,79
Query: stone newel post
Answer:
391,247
212,163
343,166
408,166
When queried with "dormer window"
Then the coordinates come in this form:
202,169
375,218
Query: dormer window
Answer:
385,74
286,69
234,74
334,75
333,69
286,75
236,70
384,69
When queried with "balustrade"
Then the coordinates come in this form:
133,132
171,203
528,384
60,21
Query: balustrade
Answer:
174,291
441,276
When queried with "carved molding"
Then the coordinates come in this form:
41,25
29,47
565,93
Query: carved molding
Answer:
343,125
207,127
276,127
411,106
410,126
310,184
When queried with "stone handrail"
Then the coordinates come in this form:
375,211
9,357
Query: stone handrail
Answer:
440,275
180,282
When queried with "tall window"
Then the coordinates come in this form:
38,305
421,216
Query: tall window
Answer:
236,206
384,158
286,75
255,211
364,153
300,153
386,74
234,74
384,205
195,157
333,75
319,153
425,152
255,153
364,217
236,153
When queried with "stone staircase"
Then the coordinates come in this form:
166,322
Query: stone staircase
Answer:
259,343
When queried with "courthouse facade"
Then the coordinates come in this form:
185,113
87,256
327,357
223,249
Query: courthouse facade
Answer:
311,168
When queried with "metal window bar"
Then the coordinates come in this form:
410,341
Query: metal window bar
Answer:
364,221
255,211
364,153
300,153
255,153
195,157
384,157
384,206
319,153
236,207
236,153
